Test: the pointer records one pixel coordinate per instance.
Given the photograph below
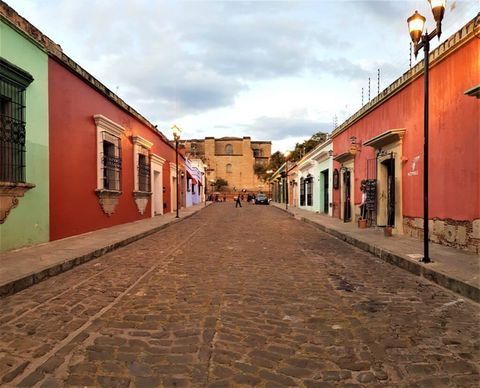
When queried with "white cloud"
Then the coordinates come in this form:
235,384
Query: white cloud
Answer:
278,70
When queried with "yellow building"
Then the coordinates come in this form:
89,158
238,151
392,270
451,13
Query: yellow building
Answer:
233,159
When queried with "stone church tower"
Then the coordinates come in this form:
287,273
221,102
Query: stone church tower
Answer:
232,159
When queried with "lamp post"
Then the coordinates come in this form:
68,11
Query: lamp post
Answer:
416,26
269,172
286,155
176,136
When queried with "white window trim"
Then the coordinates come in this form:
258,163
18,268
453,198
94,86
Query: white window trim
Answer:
105,125
140,146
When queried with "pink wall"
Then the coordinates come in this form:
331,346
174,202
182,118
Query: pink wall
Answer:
454,138
74,206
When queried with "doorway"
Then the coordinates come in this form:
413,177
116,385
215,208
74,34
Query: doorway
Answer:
347,207
389,169
157,193
326,199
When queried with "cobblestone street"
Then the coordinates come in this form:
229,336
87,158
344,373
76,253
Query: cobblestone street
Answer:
238,296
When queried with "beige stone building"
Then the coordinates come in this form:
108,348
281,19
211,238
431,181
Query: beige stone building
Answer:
233,159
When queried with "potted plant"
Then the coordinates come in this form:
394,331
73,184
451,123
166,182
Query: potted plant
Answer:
362,223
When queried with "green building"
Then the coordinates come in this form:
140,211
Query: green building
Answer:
24,186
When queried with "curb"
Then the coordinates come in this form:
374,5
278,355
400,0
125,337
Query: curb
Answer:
14,286
444,280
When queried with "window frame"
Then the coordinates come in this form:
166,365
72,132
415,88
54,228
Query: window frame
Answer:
108,130
13,91
143,147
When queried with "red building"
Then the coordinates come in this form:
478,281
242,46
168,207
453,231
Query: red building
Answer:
381,146
108,164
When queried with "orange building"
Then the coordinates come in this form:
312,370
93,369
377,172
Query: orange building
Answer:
381,147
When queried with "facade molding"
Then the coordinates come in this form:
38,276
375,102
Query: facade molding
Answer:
385,138
108,125
157,159
141,141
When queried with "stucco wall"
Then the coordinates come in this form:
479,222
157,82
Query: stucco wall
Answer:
28,223
454,139
74,206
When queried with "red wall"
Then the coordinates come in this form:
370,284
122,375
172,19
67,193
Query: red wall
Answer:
454,139
74,206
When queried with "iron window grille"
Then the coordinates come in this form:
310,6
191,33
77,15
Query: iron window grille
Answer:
309,185
302,192
13,85
111,161
143,172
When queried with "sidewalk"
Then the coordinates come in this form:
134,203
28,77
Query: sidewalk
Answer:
24,267
451,268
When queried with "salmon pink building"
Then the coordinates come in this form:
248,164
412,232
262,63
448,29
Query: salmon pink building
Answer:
380,149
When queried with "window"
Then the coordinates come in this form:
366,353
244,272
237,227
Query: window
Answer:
228,168
309,189
13,85
302,192
111,162
257,153
143,172
229,149
141,156
109,157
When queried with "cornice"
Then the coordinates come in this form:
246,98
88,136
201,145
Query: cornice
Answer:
452,44
109,125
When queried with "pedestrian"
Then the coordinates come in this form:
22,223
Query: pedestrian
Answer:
363,204
238,202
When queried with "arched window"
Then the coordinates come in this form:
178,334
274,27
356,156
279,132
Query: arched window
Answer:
228,167
229,149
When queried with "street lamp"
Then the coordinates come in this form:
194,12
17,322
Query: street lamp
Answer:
286,156
269,172
176,136
416,26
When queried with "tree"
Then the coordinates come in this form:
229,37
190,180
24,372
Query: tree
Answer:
301,149
220,183
276,161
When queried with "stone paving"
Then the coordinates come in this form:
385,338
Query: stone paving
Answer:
233,297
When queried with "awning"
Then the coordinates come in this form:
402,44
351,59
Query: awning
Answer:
189,175
385,138
194,181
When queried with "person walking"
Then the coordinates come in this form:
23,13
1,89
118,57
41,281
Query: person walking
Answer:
238,202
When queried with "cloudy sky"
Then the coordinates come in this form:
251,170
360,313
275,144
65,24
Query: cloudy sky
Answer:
272,70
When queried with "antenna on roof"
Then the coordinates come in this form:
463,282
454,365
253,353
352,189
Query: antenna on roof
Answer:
378,82
368,89
362,96
335,121
410,62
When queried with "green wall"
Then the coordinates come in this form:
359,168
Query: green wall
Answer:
28,223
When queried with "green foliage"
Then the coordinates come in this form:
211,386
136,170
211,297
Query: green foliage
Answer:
259,169
301,149
220,183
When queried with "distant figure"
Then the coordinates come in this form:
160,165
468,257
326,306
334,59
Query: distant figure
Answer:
238,202
224,198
